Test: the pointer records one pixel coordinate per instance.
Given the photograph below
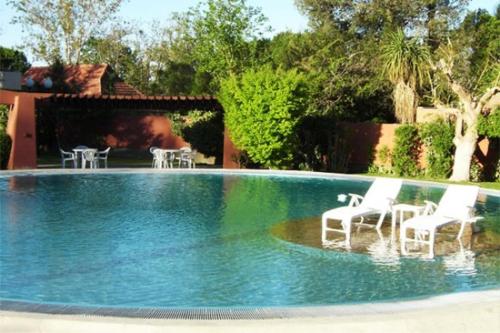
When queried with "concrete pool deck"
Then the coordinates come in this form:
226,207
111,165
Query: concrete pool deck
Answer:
460,312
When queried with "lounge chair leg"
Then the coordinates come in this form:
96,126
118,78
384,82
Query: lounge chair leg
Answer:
462,228
346,225
324,223
432,237
402,237
380,221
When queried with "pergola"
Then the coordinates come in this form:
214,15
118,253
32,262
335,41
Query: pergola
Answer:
22,126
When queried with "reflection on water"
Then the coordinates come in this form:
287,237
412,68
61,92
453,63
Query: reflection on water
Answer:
383,247
462,262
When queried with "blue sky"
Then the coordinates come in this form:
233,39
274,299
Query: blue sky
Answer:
282,14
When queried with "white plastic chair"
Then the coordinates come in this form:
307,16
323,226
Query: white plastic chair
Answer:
151,150
102,155
185,157
169,159
456,206
378,200
89,155
67,156
159,156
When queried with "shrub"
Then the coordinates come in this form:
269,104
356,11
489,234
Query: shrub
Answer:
5,142
438,139
262,110
406,150
204,130
489,126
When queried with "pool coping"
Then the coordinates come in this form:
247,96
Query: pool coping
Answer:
221,313
313,174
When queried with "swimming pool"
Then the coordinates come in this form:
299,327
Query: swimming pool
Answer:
210,239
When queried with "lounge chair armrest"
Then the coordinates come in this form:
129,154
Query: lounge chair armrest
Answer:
429,208
474,219
391,202
355,199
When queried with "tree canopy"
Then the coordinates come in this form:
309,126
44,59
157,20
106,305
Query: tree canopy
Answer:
13,60
60,28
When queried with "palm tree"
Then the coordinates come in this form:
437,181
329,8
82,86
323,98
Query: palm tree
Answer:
405,62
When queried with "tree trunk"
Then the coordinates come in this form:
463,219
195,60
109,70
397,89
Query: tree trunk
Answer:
465,147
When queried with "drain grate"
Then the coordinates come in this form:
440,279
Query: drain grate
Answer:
150,313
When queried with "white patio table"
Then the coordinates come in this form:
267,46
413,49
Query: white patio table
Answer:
79,154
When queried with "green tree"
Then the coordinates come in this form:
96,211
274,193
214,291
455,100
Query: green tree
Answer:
13,60
405,64
262,110
470,68
223,35
60,28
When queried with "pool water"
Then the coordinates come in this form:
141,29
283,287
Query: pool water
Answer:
208,240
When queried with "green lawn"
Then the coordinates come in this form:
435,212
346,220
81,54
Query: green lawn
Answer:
116,159
121,160
489,185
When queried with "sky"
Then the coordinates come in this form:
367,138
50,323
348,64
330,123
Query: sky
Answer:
283,15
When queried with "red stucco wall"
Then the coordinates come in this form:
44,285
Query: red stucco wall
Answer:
21,128
231,153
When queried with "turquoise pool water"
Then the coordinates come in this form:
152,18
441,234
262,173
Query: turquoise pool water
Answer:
204,240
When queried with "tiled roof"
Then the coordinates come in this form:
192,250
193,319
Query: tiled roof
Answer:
84,79
122,88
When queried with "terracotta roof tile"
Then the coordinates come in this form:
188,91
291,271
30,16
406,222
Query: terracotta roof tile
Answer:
84,79
122,88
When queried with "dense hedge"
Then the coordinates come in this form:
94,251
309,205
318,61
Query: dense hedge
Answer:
438,140
262,110
406,151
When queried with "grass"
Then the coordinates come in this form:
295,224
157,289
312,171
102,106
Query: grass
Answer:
143,160
488,185
116,159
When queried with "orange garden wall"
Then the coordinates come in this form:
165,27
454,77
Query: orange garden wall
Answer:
231,153
132,131
21,127
142,132
365,141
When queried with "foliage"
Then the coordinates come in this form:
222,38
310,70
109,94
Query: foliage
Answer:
316,144
262,110
223,36
479,64
489,126
384,162
13,60
204,130
5,141
60,28
406,151
113,50
438,140
405,66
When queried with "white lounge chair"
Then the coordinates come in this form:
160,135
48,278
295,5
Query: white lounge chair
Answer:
377,201
456,206
67,156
